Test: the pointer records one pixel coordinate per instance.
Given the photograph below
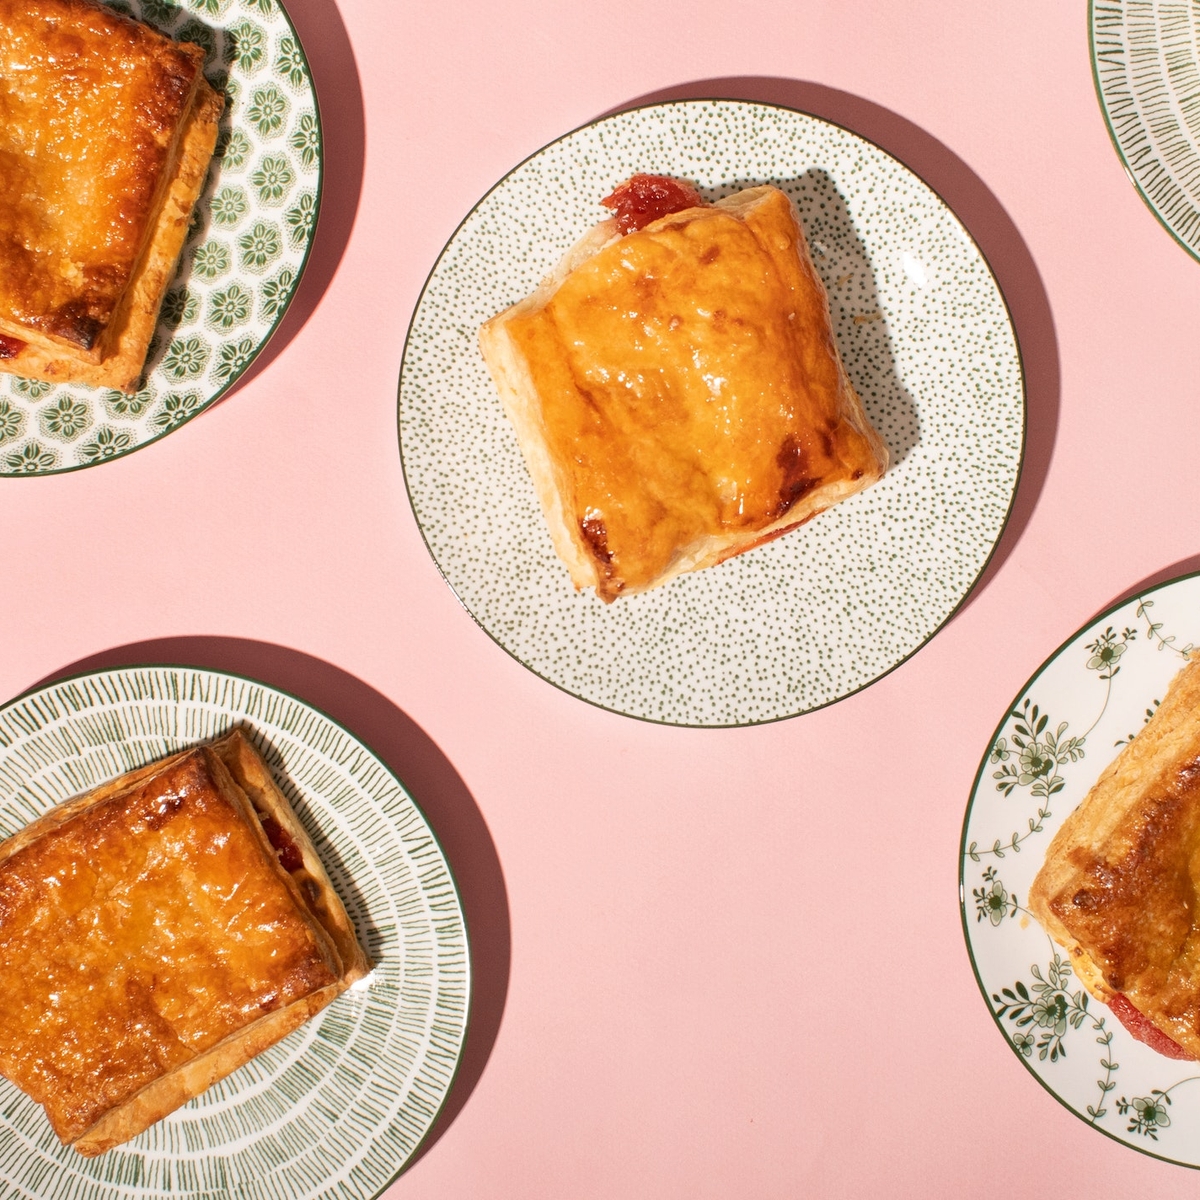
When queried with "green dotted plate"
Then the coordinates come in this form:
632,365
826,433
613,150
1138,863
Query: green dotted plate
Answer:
822,612
246,249
337,1108
1146,64
1065,726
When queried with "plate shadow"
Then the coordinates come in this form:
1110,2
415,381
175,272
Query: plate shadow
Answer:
343,136
430,778
985,219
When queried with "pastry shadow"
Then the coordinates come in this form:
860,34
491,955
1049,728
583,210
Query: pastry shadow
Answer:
988,223
430,779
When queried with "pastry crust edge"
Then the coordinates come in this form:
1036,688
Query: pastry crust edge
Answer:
242,776
122,365
519,397
1121,785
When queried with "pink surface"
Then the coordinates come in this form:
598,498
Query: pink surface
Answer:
711,963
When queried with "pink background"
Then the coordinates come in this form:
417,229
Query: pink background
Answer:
709,963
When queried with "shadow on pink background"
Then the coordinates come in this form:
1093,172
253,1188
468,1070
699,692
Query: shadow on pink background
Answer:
430,779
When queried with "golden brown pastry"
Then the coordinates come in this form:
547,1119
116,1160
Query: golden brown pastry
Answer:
155,934
677,391
1119,885
106,132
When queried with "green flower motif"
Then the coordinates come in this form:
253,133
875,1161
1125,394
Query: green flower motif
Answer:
186,358
199,34
1149,1112
178,308
268,107
260,247
107,443
1024,1043
210,8
35,389
306,139
290,62
66,418
999,751
994,903
275,292
232,359
121,7
1107,650
120,404
159,12
266,7
247,46
211,260
176,409
273,178
12,421
1050,1012
300,218
30,459
228,206
229,307
236,150
1036,762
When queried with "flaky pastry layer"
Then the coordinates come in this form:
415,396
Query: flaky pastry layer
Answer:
106,132
189,932
1119,885
678,394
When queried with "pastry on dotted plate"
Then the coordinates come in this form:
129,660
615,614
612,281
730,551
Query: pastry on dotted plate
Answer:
676,388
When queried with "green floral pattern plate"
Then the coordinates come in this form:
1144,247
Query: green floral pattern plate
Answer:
822,612
245,251
1146,64
339,1107
1066,725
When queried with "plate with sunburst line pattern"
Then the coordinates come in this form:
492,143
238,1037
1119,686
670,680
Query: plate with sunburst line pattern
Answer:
341,1105
249,240
1146,63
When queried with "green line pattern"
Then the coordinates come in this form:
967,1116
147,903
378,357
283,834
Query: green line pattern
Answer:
1146,58
337,1108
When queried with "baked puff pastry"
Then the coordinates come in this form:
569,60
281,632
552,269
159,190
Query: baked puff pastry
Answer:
1120,882
107,129
157,933
676,388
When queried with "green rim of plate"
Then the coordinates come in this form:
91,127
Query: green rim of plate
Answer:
415,426
283,1105
1125,1049
1157,181
210,330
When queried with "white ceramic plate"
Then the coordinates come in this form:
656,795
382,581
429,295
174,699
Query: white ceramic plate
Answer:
340,1106
1065,726
1146,63
822,612
240,267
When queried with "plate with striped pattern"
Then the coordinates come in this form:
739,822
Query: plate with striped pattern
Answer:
1146,63
340,1106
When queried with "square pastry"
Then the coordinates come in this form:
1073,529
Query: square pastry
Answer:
1119,885
677,390
107,129
155,934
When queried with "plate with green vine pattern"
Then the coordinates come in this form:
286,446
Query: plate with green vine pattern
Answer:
1087,701
246,249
